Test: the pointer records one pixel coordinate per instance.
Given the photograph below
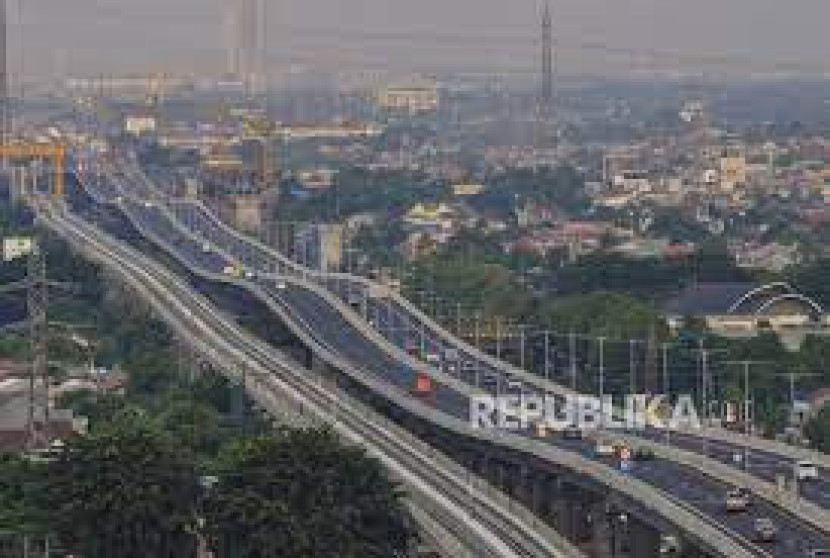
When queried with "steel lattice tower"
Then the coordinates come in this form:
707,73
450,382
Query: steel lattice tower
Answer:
37,300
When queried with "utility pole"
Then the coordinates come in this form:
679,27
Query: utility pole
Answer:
748,417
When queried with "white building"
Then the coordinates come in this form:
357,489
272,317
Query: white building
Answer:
411,97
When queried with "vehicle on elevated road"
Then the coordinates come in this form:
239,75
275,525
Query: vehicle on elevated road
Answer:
806,470
737,501
765,529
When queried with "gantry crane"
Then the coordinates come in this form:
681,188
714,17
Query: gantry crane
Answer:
55,152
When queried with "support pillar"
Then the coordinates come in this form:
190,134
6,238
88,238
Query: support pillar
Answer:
645,540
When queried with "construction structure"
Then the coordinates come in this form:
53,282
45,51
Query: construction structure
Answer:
56,153
546,133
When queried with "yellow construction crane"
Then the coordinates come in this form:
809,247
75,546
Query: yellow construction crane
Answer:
55,152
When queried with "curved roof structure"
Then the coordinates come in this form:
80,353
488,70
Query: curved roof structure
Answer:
750,301
739,299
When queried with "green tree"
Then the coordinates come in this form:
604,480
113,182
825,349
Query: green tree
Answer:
302,494
22,509
123,490
818,429
601,313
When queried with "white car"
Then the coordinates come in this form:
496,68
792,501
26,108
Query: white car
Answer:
736,501
604,448
206,248
451,353
806,470
515,385
281,285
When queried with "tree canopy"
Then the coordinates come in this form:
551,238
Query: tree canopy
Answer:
303,494
125,489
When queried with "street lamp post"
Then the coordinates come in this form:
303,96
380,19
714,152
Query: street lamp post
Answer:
547,355
601,366
572,355
498,337
522,329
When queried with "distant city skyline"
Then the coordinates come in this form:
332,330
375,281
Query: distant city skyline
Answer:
118,36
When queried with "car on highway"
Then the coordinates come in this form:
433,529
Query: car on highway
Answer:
206,248
643,453
433,359
515,385
451,353
232,271
806,470
490,379
669,545
604,448
765,530
281,285
572,433
736,501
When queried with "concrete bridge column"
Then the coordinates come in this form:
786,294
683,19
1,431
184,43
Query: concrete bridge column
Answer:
644,539
602,530
564,510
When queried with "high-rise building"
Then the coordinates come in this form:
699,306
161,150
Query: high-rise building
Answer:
245,36
4,74
546,96
545,125
412,97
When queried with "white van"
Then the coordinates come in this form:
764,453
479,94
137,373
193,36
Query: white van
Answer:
806,470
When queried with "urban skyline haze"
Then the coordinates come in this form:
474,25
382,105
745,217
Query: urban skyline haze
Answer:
117,36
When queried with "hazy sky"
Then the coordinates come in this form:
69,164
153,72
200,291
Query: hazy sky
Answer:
136,35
